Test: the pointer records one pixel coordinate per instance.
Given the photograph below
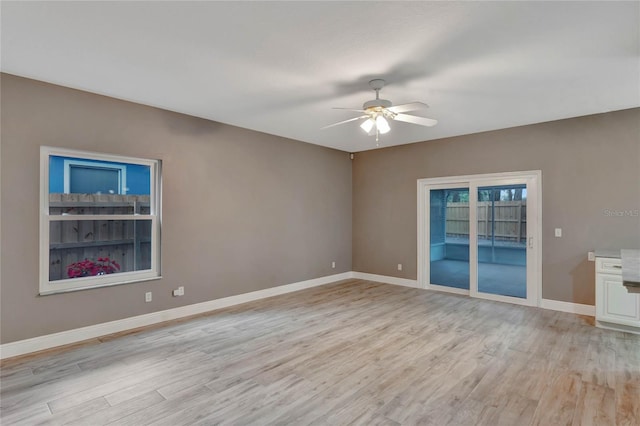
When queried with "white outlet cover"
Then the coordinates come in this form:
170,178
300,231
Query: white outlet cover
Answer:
558,232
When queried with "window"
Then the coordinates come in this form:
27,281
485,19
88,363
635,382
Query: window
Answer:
99,221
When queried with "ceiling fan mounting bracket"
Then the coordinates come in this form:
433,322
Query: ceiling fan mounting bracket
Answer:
377,84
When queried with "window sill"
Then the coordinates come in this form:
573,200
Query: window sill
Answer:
92,286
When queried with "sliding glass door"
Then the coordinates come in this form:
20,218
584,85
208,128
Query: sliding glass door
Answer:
479,235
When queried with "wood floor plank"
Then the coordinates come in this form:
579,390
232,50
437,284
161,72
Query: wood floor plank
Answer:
353,352
559,401
627,404
599,365
113,413
61,417
27,415
596,406
513,409
192,397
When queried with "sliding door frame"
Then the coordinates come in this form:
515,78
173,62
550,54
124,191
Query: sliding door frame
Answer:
533,179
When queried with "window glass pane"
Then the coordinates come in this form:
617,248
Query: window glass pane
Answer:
79,248
86,186
93,180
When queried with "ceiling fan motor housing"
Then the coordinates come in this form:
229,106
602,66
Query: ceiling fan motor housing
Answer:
376,104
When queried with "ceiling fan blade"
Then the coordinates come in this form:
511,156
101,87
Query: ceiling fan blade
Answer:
349,109
345,121
413,106
421,121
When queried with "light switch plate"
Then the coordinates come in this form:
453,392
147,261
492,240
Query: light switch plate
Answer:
558,232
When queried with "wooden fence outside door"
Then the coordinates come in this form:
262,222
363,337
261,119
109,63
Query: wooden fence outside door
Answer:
510,218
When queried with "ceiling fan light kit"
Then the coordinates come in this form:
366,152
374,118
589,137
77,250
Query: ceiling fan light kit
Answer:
367,125
382,125
378,112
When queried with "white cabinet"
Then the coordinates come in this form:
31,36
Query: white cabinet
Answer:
616,308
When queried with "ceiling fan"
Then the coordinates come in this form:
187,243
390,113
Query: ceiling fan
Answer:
378,111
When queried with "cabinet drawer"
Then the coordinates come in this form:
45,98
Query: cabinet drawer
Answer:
609,265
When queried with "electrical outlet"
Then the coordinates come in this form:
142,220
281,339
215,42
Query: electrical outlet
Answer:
333,265
591,256
179,291
558,232
399,266
148,296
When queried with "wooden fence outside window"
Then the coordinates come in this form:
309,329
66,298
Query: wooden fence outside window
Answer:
128,242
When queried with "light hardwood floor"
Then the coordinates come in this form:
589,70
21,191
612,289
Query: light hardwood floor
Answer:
355,352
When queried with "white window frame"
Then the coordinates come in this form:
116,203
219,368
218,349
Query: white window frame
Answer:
68,163
83,283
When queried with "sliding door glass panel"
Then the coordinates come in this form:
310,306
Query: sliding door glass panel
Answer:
449,237
502,240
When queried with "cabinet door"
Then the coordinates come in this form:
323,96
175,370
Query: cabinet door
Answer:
614,303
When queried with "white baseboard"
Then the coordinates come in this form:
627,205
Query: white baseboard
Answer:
49,341
386,279
554,305
574,308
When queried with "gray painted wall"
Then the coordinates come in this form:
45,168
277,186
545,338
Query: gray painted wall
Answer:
589,164
242,210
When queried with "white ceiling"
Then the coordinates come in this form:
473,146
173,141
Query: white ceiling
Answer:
280,67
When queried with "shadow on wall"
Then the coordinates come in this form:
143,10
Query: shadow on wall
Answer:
584,277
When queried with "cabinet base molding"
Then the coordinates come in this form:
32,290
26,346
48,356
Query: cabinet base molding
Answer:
617,327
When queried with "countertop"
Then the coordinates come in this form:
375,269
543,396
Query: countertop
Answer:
612,254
